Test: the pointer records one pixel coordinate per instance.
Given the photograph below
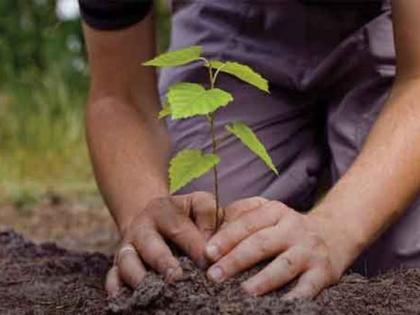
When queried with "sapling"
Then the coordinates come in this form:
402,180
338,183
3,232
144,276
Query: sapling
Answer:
186,99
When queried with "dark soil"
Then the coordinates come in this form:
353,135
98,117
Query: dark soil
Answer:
46,279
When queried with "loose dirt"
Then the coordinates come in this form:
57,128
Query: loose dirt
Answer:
46,279
79,223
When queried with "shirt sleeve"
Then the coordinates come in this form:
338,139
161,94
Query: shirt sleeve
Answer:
113,14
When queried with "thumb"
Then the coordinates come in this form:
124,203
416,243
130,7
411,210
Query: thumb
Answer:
201,206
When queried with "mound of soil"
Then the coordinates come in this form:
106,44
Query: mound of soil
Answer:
46,279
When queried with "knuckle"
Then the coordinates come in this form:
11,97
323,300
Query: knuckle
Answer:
181,202
319,251
257,201
293,219
316,242
289,264
291,223
176,231
158,207
278,206
331,275
249,226
273,204
263,243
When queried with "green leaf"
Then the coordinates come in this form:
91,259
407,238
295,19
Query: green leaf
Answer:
188,165
176,57
242,72
191,99
165,111
250,140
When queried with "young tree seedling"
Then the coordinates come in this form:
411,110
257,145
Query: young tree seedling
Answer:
186,99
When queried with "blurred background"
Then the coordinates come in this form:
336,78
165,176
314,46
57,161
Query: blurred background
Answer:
43,87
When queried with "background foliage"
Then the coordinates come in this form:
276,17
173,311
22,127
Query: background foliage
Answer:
43,87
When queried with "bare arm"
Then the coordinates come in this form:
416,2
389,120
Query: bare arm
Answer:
386,176
316,248
128,146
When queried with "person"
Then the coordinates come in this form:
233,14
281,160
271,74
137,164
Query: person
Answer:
342,98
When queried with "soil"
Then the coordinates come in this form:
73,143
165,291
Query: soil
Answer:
73,222
47,279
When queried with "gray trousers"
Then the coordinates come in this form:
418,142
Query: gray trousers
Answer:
330,63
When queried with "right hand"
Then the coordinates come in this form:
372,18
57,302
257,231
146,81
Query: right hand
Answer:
186,220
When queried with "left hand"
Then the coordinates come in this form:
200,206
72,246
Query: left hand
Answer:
306,247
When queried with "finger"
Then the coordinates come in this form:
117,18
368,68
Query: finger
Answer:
236,208
156,253
113,282
264,244
247,224
309,285
279,272
202,207
181,230
130,268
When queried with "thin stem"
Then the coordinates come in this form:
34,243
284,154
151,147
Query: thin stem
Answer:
211,118
219,219
211,77
217,73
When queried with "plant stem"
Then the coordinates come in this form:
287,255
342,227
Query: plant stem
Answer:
212,78
219,218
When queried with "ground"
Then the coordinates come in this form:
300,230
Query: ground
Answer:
81,223
44,278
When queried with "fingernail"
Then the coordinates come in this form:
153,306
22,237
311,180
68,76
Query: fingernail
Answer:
171,275
113,294
249,288
216,274
212,251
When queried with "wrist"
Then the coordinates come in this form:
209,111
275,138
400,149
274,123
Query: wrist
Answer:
344,241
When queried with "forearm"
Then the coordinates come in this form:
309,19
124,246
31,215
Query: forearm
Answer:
128,145
384,178
128,155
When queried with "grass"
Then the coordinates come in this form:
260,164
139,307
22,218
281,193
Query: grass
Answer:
42,145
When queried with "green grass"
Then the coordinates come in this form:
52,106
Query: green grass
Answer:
42,144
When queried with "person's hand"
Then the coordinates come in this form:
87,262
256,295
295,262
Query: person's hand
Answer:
187,220
305,248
